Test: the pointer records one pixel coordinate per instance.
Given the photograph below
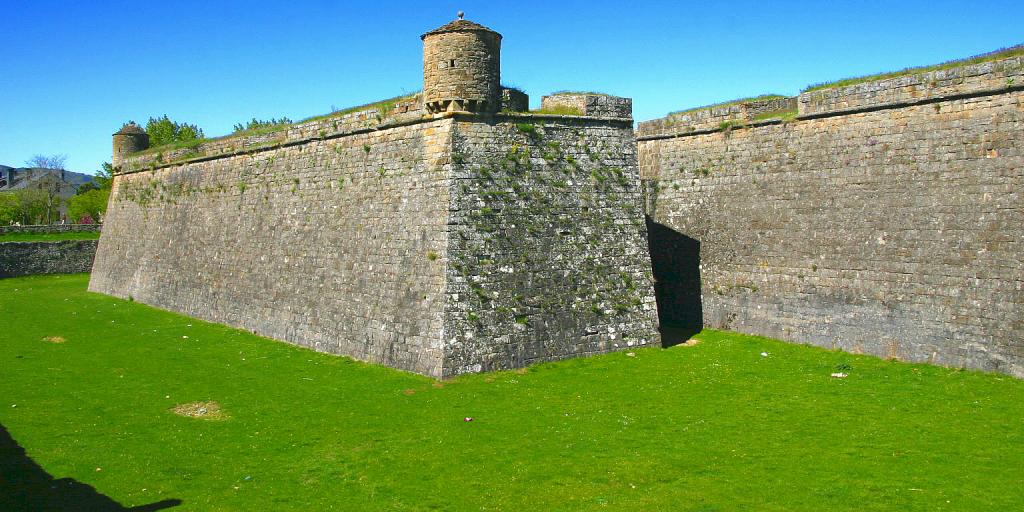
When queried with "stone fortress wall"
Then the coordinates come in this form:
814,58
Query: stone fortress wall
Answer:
323,242
436,242
449,231
885,218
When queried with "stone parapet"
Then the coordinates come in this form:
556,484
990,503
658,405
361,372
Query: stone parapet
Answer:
378,116
51,228
590,104
985,77
714,117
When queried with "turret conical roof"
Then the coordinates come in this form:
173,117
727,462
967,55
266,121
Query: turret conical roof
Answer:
459,25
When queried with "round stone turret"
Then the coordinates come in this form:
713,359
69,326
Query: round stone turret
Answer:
462,68
129,139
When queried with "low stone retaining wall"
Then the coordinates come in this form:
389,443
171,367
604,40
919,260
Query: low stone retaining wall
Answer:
51,228
61,257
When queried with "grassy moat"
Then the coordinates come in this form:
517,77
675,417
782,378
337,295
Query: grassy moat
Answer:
49,237
141,406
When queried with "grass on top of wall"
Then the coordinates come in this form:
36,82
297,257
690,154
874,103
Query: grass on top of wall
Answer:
1003,53
146,406
558,110
784,115
763,97
49,237
383,108
591,93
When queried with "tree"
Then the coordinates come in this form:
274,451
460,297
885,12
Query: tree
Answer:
162,130
104,177
100,181
47,162
85,187
91,204
36,206
10,208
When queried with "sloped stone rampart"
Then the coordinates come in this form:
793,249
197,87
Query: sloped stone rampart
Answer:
445,245
895,231
331,244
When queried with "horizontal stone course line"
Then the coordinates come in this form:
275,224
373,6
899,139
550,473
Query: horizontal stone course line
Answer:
51,228
379,128
676,135
922,101
837,113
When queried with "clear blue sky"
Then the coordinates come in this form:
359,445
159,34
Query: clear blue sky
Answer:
73,72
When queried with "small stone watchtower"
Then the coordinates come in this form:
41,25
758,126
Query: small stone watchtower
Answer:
129,139
462,68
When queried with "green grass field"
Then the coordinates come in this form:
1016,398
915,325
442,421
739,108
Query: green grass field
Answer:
48,237
88,384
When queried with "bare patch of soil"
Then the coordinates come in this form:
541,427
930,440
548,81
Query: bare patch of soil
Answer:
202,410
54,339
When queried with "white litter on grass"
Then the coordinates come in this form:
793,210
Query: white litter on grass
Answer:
631,354
764,354
840,375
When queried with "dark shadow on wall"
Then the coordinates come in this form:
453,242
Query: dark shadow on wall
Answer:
675,258
24,485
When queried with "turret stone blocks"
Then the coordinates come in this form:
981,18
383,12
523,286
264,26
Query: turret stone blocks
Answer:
129,139
462,68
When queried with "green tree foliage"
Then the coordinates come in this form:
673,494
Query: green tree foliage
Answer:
100,181
104,177
91,199
91,204
162,130
28,206
259,124
10,208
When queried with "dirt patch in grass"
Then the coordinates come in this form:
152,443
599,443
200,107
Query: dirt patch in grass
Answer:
54,339
202,410
690,342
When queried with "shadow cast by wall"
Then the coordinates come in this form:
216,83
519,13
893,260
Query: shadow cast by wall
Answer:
24,485
675,259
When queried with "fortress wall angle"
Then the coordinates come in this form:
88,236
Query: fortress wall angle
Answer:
427,233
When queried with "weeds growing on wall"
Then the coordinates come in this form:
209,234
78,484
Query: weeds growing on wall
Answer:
1003,53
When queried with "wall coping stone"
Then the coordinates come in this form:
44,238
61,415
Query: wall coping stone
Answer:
35,229
381,127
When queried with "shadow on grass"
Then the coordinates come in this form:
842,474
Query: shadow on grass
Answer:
675,259
24,485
